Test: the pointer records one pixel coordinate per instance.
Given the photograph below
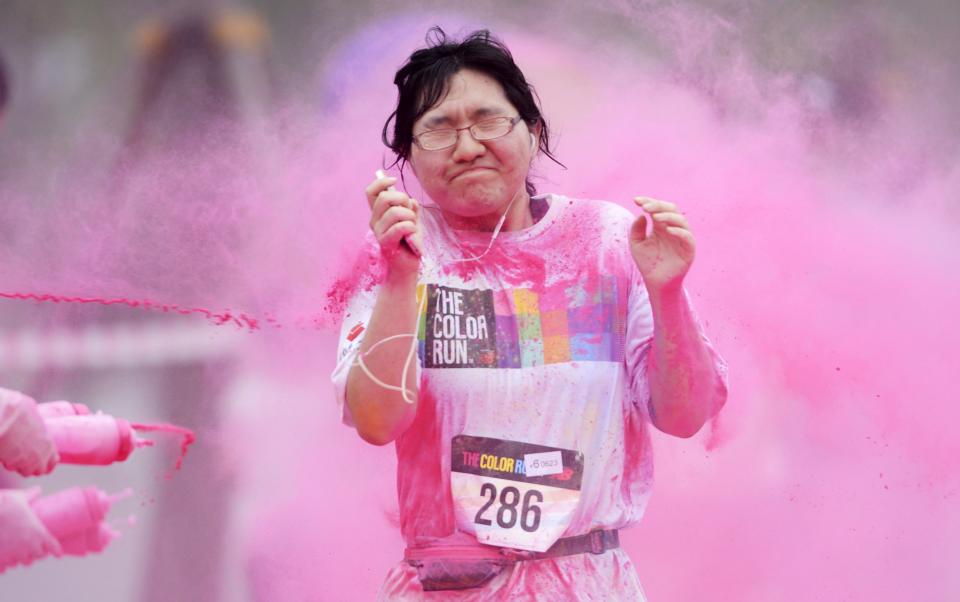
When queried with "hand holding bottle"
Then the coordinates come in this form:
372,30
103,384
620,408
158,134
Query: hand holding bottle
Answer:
25,445
25,538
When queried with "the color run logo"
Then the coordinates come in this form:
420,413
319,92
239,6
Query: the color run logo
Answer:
459,328
493,462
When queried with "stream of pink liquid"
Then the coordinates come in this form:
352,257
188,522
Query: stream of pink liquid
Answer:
187,440
336,297
218,317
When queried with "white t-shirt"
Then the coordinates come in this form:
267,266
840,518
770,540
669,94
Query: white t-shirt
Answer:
542,341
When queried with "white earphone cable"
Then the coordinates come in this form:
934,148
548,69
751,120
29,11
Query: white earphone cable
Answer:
407,395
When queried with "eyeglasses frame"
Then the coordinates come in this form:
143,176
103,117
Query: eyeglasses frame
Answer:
513,123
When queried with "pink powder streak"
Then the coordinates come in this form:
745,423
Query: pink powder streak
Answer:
187,439
335,295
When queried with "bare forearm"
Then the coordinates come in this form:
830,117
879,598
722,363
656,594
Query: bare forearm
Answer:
381,414
685,387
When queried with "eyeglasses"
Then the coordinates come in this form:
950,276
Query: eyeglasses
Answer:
488,129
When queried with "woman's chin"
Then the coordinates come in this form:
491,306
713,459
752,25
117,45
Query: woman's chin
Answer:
475,203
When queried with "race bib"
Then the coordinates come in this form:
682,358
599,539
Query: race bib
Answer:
514,494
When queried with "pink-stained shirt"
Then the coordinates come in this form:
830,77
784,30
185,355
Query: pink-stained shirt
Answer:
544,340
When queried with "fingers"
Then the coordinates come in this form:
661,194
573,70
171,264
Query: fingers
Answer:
668,223
377,186
683,234
389,208
639,229
40,459
391,216
651,205
398,223
669,218
662,213
387,199
33,468
395,233
33,458
39,548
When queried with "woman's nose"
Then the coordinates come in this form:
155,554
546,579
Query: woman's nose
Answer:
467,147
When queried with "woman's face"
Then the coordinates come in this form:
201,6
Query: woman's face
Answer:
473,181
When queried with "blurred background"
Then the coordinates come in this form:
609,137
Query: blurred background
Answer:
212,155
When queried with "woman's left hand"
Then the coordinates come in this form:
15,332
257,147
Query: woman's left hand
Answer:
665,254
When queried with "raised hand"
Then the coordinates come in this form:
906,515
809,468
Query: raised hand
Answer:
395,221
663,255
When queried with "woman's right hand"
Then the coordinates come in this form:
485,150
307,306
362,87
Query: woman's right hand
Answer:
394,217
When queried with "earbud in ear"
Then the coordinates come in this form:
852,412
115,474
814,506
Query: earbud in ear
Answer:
533,142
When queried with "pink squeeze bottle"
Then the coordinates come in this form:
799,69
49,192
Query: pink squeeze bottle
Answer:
94,539
72,512
54,409
95,439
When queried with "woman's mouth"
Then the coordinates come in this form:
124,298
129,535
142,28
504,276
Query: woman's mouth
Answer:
470,171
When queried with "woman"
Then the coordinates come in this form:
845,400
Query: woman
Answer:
550,332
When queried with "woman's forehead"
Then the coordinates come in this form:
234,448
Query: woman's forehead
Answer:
471,94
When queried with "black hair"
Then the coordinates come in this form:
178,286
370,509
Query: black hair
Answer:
4,87
425,78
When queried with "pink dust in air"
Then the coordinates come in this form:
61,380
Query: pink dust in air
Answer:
187,438
821,282
121,495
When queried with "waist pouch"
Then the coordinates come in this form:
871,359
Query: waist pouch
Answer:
449,567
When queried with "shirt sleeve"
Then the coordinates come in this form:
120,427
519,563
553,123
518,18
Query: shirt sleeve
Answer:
639,338
352,332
